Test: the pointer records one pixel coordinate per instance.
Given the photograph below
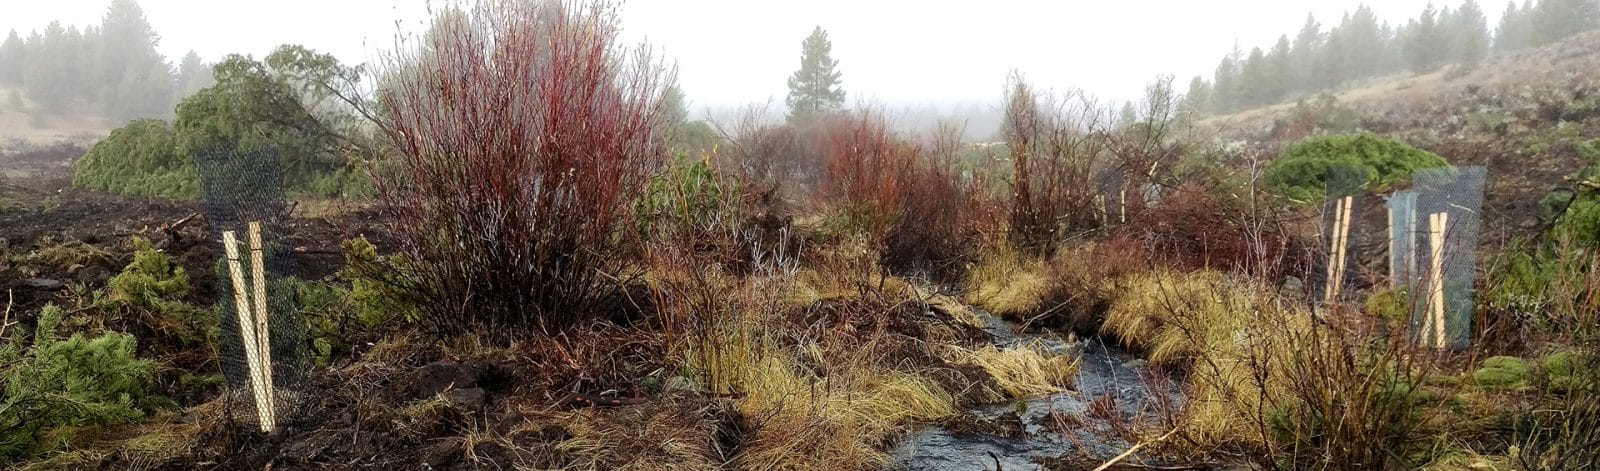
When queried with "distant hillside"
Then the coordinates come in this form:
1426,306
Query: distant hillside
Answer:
20,125
1531,117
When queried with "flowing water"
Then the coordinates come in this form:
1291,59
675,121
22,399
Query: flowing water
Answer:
1105,369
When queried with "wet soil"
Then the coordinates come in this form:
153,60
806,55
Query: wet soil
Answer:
40,208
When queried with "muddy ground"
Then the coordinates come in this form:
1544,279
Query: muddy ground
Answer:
40,209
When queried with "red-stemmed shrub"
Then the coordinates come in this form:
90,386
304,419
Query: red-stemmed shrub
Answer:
1193,227
913,204
867,166
525,133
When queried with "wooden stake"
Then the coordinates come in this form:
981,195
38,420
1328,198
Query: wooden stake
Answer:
247,330
1344,244
262,316
1438,222
1336,251
1100,208
1122,206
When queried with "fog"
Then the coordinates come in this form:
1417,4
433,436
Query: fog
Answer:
941,55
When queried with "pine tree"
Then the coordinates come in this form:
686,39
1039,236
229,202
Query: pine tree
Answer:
1307,46
1363,39
1332,63
1515,31
130,69
50,64
1128,116
193,75
814,89
1225,83
1469,34
11,60
1555,20
1425,47
1255,79
1199,98
1280,71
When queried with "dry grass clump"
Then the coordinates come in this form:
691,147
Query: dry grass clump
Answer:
64,254
803,353
663,435
1021,372
1008,284
1177,317
1220,327
848,270
799,420
1269,382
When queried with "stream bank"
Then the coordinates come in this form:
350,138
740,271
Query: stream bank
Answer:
1112,389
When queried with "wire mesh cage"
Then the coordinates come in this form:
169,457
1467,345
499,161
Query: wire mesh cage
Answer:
263,350
1402,239
1340,222
1111,197
1448,218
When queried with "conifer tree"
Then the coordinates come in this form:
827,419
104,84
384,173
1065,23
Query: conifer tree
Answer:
193,75
1307,45
814,89
1280,71
1425,41
11,60
137,80
1255,79
1199,98
1555,20
1469,34
1515,30
1363,40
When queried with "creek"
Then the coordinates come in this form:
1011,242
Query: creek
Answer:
1104,370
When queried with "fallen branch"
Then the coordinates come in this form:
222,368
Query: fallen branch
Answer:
5,322
175,225
1130,451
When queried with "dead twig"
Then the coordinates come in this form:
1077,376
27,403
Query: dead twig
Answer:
1133,449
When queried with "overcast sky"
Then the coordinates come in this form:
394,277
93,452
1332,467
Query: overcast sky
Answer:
731,52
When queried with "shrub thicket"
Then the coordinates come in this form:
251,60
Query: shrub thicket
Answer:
142,159
524,140
1301,173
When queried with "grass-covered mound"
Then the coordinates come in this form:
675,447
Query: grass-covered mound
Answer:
1301,173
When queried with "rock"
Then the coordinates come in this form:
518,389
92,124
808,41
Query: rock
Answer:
92,275
443,375
679,383
1293,288
44,284
470,398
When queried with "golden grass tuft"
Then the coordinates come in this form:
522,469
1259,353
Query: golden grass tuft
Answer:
800,420
1176,317
1237,338
1021,372
666,436
64,255
1008,284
